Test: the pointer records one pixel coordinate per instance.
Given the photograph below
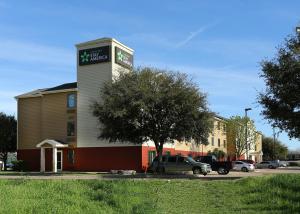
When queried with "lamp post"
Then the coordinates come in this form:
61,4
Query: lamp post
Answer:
246,131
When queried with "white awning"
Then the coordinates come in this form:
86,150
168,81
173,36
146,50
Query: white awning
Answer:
51,144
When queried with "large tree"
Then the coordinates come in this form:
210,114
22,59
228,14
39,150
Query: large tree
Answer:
273,149
155,105
281,98
8,136
236,135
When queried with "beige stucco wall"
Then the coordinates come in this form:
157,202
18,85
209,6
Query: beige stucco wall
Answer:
29,122
43,117
217,134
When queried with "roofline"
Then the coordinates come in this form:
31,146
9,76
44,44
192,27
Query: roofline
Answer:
102,40
40,94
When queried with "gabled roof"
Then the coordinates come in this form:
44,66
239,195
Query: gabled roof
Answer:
39,92
63,86
51,143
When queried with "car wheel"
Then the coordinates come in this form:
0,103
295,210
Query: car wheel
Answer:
244,169
221,171
196,171
270,167
226,171
205,173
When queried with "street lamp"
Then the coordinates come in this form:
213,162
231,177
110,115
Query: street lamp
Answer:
246,131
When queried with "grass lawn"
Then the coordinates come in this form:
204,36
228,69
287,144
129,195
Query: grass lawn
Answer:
269,194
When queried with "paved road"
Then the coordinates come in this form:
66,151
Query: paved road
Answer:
141,176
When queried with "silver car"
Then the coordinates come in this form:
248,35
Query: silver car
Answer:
267,164
242,166
180,163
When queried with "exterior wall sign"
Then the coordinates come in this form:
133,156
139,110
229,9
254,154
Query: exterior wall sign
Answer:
123,58
94,55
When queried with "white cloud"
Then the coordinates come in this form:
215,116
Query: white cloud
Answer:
28,52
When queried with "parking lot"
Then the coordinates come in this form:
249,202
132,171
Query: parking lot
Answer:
98,175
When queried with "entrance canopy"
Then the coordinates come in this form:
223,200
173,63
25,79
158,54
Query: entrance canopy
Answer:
51,144
54,144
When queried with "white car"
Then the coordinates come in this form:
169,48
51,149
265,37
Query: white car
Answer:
242,166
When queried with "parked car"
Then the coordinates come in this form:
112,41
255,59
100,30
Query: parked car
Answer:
1,165
222,167
283,164
242,166
267,164
180,163
249,161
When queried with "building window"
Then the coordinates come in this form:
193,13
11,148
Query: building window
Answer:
212,141
219,142
219,125
224,143
71,156
224,127
71,128
71,102
255,148
151,156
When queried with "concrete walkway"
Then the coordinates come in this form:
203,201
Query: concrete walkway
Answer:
142,176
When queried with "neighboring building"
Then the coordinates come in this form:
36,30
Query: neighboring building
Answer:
57,131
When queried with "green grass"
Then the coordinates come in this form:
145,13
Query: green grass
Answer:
269,194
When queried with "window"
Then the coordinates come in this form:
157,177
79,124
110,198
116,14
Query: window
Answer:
172,159
219,125
71,129
255,148
71,156
180,159
224,143
71,102
212,141
151,156
219,142
224,127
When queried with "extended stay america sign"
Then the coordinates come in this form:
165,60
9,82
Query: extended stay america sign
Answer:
94,55
123,58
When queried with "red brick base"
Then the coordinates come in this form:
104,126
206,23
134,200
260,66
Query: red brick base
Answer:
98,158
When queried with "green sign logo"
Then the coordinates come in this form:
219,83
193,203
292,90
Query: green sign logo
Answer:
123,58
120,56
84,57
94,55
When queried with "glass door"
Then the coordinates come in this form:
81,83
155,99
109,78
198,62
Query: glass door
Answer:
59,161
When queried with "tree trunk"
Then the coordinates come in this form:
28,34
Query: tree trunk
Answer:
159,151
5,161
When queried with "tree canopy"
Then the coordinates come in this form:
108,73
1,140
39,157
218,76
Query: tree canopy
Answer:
281,98
150,104
8,136
273,150
236,135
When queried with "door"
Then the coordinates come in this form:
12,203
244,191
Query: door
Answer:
59,160
183,164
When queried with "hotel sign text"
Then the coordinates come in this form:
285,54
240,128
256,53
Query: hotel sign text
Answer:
94,55
123,58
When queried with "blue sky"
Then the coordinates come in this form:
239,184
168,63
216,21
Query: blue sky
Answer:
218,43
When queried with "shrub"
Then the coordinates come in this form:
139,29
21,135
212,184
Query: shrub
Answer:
294,164
19,165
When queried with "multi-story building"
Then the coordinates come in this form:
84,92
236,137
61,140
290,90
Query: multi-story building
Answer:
57,130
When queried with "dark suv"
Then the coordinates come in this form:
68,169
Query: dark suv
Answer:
180,163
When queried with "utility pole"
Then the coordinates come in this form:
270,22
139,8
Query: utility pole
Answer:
246,131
